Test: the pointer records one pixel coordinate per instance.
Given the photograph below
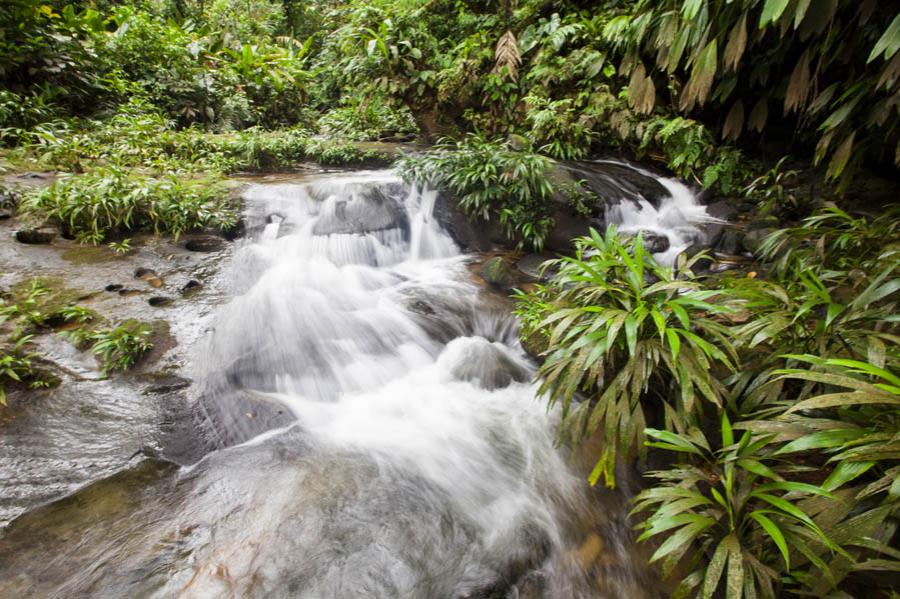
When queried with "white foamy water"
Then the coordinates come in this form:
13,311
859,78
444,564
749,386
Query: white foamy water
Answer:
356,315
679,217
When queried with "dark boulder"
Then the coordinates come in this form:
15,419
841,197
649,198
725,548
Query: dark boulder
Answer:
731,241
654,243
372,210
42,235
531,265
612,182
204,243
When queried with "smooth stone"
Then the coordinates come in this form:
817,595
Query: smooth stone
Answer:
204,243
730,242
530,265
160,301
42,235
497,272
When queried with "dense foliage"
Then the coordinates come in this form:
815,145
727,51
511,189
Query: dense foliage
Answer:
802,357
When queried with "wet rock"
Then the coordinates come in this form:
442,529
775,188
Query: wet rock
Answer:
722,210
160,301
731,241
235,232
168,384
766,222
113,287
191,286
497,272
5,214
126,292
703,264
654,243
149,276
372,210
531,266
754,238
420,307
204,243
485,364
42,235
568,226
611,181
534,344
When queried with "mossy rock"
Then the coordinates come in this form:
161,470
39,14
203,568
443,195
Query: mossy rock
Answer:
498,272
534,343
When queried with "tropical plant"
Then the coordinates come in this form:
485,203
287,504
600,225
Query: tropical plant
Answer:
15,365
118,348
833,69
733,508
113,201
491,181
629,334
835,240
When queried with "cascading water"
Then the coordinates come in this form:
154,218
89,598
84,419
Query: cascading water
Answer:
665,211
375,429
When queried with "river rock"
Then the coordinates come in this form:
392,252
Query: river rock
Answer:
754,238
531,266
42,235
703,264
722,210
497,272
5,214
731,241
654,242
371,210
613,181
204,243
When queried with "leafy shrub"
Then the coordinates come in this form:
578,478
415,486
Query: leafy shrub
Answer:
112,201
629,334
491,181
732,505
29,307
836,68
118,348
368,120
15,364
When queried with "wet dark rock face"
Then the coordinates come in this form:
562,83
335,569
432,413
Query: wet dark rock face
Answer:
43,235
204,243
373,210
605,183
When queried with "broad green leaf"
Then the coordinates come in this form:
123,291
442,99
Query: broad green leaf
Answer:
772,11
889,42
682,539
775,534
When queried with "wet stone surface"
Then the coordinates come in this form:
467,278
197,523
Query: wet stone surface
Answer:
54,441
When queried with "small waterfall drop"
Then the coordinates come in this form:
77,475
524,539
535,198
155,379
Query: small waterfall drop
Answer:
664,210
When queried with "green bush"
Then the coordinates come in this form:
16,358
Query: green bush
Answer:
628,334
110,202
492,182
118,348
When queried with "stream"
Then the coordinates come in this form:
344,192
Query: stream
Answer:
370,425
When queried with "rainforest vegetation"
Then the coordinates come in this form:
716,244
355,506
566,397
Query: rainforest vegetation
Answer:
761,404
